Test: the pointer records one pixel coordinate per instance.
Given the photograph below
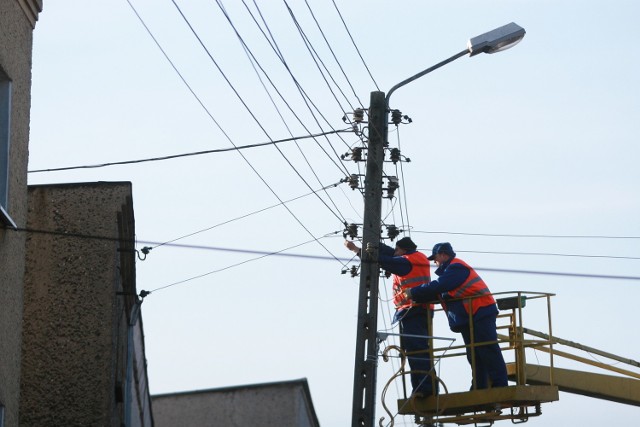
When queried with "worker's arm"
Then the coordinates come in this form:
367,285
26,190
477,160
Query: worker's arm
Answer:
452,277
398,265
393,264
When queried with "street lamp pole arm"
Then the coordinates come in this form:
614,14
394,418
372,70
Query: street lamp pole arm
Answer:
424,72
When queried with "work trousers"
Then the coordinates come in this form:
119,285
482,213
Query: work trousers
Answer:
490,368
415,321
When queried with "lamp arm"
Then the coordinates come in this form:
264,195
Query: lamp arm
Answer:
427,71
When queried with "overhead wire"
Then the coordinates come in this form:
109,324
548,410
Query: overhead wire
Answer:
269,37
354,44
388,326
215,248
175,68
405,225
242,216
253,60
552,254
545,236
274,45
264,254
324,36
256,62
186,20
195,153
316,57
305,256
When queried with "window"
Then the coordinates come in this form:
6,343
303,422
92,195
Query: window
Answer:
1,415
5,140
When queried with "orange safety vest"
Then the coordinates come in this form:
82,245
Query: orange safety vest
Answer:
420,273
474,286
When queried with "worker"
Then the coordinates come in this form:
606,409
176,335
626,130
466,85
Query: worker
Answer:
410,268
456,282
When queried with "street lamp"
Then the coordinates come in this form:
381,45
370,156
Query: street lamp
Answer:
497,40
367,341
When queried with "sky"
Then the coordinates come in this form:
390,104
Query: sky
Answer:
524,160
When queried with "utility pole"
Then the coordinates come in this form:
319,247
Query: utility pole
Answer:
364,381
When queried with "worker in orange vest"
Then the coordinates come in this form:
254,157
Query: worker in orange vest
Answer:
456,283
410,268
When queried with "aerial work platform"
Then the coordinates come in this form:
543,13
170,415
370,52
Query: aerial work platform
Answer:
516,403
534,384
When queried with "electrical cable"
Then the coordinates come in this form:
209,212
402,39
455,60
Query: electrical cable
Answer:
499,270
406,225
195,153
279,54
545,236
274,45
552,254
178,71
304,256
253,60
358,213
263,255
316,57
354,44
242,216
332,52
257,121
221,7
389,326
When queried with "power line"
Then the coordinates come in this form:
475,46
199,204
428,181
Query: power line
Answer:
274,45
332,52
341,260
316,58
243,216
549,236
253,60
242,101
209,113
164,53
195,153
404,187
256,120
552,254
262,255
280,253
215,248
354,44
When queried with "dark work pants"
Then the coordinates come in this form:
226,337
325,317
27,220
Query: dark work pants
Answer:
416,321
490,368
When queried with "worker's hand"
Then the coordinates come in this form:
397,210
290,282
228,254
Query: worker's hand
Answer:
351,246
407,295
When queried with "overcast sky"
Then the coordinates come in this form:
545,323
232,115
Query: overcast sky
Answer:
509,152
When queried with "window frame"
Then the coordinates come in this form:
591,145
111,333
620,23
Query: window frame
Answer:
5,147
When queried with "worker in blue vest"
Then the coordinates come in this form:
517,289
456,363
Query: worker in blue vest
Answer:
457,282
409,268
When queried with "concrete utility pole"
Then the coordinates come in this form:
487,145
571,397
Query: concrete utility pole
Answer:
364,381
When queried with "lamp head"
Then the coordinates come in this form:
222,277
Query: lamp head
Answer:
496,40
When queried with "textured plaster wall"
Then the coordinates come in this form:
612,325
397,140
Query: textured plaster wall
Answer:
73,317
15,59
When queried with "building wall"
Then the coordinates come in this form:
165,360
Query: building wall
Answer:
81,311
284,404
16,39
